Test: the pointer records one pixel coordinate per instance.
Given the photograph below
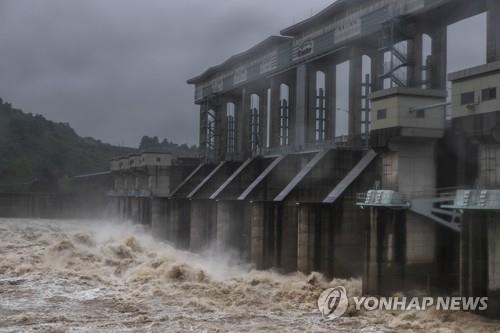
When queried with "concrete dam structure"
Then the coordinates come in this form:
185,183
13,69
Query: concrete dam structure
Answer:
401,188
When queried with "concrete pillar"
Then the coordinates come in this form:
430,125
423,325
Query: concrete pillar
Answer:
198,226
257,235
417,173
224,221
439,69
203,128
326,241
263,119
289,222
158,218
275,112
173,221
243,124
331,90
377,69
493,38
134,209
355,80
372,272
403,246
202,224
231,233
493,231
415,49
301,106
474,255
221,129
305,238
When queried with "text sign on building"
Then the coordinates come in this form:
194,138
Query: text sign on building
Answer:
302,50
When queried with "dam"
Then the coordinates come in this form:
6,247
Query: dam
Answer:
401,188
405,195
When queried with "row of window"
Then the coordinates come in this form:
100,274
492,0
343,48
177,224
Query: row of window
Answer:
382,114
487,94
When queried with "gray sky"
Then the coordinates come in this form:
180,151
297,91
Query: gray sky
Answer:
116,69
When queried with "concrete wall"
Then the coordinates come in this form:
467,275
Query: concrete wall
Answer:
475,85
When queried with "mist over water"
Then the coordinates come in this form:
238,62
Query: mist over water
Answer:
83,276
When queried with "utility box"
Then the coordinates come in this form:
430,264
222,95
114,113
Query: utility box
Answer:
476,200
382,198
409,112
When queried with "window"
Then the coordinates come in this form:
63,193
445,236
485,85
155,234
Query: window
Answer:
489,94
211,128
381,114
467,98
255,122
284,114
320,107
420,114
158,160
231,130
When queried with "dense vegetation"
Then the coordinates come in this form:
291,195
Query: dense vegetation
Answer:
152,143
34,149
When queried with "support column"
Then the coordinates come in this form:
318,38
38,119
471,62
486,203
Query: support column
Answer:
377,69
158,219
493,37
243,126
415,58
326,241
221,129
289,222
263,119
301,107
355,80
305,238
331,102
203,128
230,227
493,231
439,69
257,235
199,222
275,111
134,209
173,220
372,272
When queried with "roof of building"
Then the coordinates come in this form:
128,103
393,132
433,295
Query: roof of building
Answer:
475,71
93,175
248,54
324,14
158,151
416,92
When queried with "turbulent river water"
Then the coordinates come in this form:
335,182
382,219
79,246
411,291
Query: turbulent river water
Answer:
82,276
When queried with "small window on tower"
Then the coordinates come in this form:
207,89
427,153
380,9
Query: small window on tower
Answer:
467,98
489,94
381,114
158,160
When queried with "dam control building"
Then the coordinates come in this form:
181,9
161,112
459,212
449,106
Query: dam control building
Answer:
401,187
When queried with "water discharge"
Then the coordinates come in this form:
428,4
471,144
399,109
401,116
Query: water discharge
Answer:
82,276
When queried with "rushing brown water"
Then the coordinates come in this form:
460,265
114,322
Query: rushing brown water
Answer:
81,276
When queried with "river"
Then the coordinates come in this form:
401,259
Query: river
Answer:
103,276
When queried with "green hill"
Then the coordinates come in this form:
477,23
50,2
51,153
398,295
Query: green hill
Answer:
36,150
33,148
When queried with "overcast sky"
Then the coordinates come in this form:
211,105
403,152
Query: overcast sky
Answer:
117,69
